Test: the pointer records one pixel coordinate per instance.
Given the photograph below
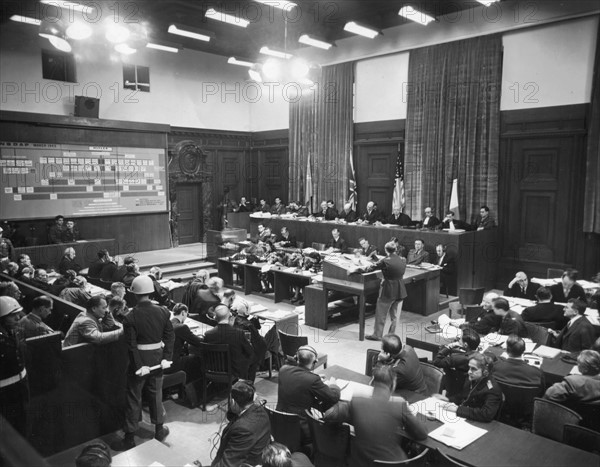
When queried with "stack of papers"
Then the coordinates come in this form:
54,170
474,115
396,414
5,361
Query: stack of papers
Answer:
256,308
457,435
588,284
545,282
273,315
350,389
546,352
494,338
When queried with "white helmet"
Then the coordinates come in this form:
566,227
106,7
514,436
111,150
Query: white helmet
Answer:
9,305
142,285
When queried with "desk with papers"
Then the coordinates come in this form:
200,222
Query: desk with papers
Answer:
478,444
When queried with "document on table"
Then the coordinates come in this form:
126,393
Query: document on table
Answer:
457,435
257,308
546,352
433,408
273,315
493,338
350,389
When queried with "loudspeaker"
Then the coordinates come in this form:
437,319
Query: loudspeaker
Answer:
87,106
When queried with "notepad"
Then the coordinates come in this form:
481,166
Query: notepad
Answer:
546,352
457,435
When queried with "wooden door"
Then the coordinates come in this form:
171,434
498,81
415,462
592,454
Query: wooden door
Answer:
376,166
274,177
189,205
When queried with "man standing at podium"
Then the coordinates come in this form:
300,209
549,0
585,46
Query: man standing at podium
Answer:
391,291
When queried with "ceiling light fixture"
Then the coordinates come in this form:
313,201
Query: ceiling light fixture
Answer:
283,5
55,33
255,75
192,33
306,39
165,48
415,15
116,33
487,2
79,31
125,49
25,20
69,5
225,18
235,61
275,53
356,28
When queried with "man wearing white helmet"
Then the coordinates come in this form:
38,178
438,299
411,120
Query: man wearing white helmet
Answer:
14,389
150,337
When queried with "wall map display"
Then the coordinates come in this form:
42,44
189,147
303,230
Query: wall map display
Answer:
42,180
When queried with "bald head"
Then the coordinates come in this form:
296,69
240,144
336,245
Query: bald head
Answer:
306,356
488,299
222,314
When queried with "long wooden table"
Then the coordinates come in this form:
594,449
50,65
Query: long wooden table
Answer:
477,253
86,251
501,445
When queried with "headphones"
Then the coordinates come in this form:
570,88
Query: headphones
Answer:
308,348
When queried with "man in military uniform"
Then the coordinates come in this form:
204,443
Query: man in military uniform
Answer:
150,337
14,388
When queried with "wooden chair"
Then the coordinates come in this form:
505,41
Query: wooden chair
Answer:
318,246
517,409
285,428
466,297
582,438
290,345
549,419
442,460
553,273
536,333
419,461
372,355
331,442
216,367
433,378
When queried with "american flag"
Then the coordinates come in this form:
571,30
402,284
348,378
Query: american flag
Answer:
399,201
352,199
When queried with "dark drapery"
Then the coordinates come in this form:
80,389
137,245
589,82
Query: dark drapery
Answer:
321,125
453,126
591,219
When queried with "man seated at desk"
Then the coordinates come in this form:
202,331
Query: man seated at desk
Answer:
511,321
263,206
278,208
451,223
337,243
398,218
568,288
332,212
579,388
484,221
485,323
418,255
323,211
347,214
521,287
429,221
67,262
95,268
244,206
403,362
287,240
32,324
366,249
579,333
71,233
41,280
206,300
454,359
95,325
183,356
545,311
514,369
371,215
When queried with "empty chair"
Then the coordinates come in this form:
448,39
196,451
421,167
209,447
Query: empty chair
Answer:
582,438
331,442
216,367
418,461
372,355
433,378
290,345
549,419
318,246
517,409
536,333
285,428
466,297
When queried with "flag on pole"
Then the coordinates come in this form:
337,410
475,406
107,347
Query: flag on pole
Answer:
353,198
308,189
454,199
398,201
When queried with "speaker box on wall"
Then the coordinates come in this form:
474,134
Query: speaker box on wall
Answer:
87,106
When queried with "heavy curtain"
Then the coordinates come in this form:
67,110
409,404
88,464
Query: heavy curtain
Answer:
453,126
321,138
591,218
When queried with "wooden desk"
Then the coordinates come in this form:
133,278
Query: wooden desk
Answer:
86,251
148,453
477,253
501,445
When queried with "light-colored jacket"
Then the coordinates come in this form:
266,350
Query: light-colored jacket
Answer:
88,329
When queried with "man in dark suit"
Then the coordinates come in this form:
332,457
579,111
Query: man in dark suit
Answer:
183,359
568,288
514,370
429,221
489,322
391,291
263,206
332,213
366,248
240,349
322,211
484,221
371,215
300,389
447,262
337,242
545,311
244,206
398,218
451,223
511,323
418,255
206,300
287,240
520,287
248,431
579,333
403,361
95,268
454,359
348,214
278,208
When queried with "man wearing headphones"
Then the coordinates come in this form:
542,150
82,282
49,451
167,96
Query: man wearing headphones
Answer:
300,389
248,431
149,335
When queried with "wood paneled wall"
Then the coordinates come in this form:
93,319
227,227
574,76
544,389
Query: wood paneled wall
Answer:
268,174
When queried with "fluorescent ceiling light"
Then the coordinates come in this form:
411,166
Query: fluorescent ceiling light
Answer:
124,49
26,20
116,33
68,5
174,29
79,31
255,75
306,39
361,30
415,15
165,48
275,53
235,61
60,43
487,2
278,4
225,18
